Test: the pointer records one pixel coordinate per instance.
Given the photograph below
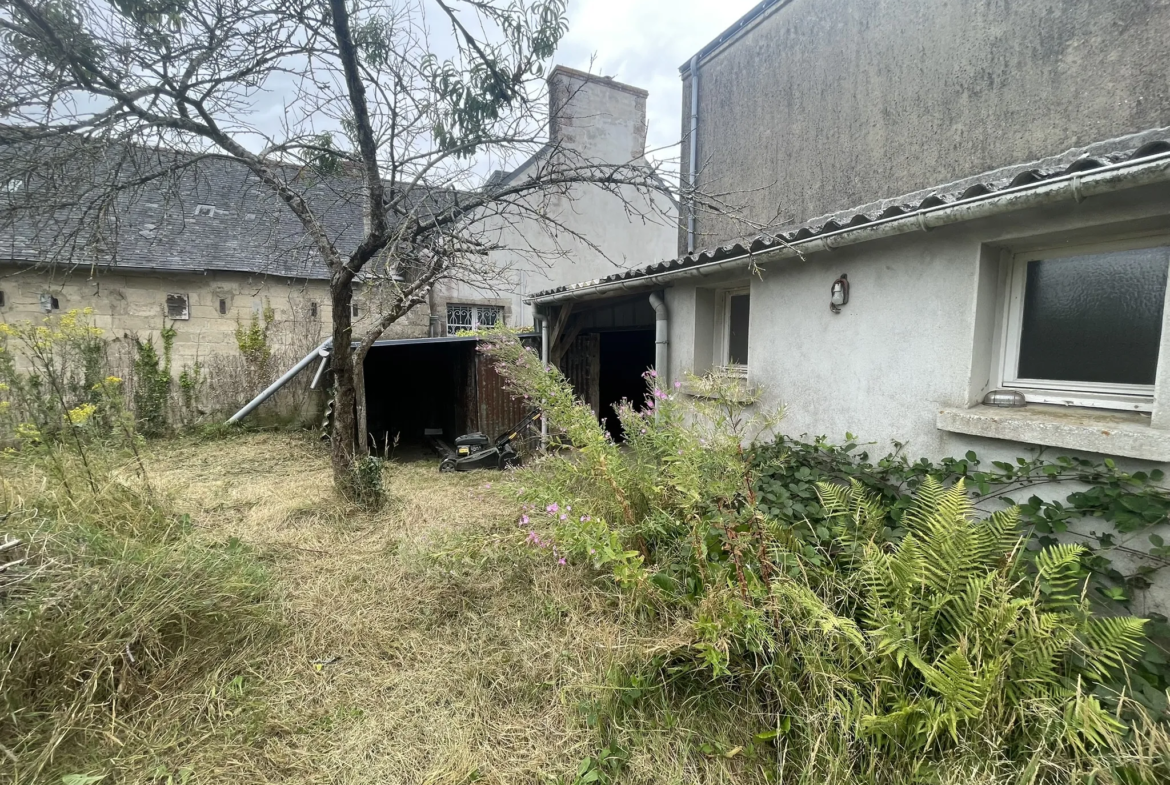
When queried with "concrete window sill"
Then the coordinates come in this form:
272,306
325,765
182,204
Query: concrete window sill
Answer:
1123,434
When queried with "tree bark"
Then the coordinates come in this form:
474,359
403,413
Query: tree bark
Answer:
344,437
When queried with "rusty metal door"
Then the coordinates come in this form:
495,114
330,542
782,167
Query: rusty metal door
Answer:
498,410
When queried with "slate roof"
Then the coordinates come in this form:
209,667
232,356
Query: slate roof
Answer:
1130,148
215,215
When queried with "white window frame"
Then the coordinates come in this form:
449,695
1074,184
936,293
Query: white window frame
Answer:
1129,397
186,306
49,302
723,332
475,308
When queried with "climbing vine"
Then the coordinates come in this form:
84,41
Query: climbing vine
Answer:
152,382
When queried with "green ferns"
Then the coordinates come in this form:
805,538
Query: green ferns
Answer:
965,636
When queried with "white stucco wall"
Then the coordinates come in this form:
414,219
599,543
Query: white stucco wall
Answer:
917,335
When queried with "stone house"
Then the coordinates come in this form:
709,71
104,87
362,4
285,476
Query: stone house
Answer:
204,255
973,197
215,249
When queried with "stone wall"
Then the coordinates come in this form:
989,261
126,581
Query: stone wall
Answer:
127,304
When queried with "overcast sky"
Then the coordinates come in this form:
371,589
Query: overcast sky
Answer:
642,43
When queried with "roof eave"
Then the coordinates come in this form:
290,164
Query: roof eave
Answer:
1077,185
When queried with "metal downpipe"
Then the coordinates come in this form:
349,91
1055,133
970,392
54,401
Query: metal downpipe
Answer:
544,360
661,339
692,175
281,382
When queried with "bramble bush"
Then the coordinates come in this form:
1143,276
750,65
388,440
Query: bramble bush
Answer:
886,633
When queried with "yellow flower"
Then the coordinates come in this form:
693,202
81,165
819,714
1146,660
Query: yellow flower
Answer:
113,380
28,432
81,414
3,387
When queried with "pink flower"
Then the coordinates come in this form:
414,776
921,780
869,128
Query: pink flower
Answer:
561,561
487,485
659,394
592,551
677,385
563,516
552,507
585,518
523,520
650,404
651,374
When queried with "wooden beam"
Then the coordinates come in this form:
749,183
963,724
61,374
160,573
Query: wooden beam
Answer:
565,344
563,314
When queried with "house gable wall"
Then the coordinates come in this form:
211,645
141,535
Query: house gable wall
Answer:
823,105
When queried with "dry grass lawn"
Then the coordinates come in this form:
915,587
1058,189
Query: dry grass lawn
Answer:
453,653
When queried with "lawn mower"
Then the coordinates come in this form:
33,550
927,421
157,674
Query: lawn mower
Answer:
476,451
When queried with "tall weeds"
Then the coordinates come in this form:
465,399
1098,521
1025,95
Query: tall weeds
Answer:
122,634
940,651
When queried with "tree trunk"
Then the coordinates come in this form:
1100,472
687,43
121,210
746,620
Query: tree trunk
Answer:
359,385
344,437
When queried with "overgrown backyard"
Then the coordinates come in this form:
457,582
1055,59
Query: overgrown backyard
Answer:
677,609
421,643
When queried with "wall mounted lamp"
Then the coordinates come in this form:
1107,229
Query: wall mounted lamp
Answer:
839,293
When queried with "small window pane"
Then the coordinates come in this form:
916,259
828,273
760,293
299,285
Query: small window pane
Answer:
737,339
223,306
459,317
177,306
489,315
1095,318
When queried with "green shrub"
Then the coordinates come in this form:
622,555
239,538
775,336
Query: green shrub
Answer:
882,642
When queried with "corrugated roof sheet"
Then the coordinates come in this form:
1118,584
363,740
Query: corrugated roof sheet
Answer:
1130,148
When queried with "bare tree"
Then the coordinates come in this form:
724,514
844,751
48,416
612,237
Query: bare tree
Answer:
103,98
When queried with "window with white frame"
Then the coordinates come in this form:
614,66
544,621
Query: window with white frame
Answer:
732,330
1083,327
472,317
177,307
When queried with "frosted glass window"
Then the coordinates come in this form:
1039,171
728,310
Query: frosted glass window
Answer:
738,306
1094,318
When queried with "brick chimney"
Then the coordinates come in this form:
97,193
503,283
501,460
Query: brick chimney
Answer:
596,116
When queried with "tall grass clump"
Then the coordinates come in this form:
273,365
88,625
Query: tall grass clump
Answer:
124,638
945,649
